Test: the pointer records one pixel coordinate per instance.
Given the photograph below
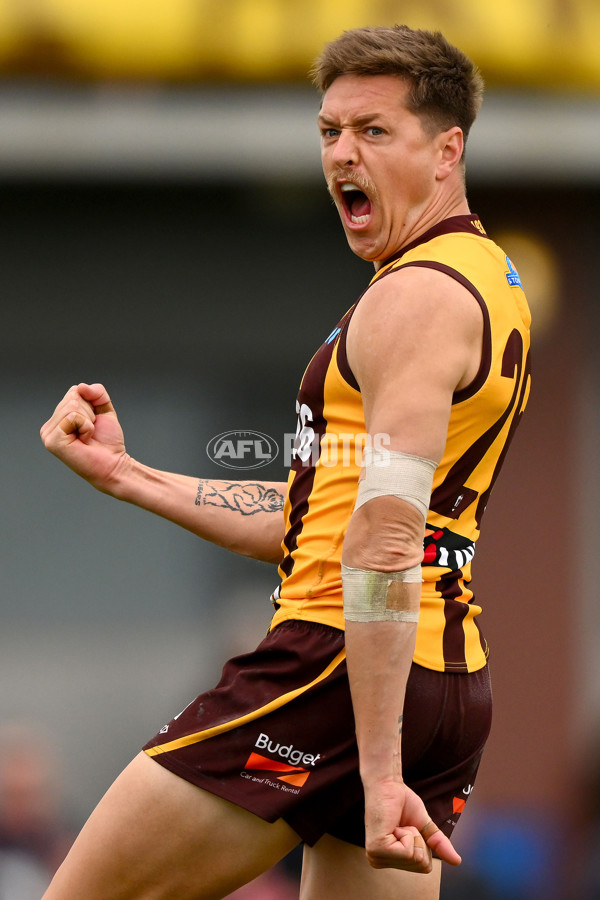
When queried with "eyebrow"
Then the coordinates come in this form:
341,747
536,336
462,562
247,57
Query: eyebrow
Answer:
358,120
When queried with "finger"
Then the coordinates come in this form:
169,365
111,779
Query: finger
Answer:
421,853
76,422
72,402
73,414
405,854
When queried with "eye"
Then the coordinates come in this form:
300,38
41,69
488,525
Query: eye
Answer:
330,132
374,130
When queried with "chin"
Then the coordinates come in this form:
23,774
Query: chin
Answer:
369,254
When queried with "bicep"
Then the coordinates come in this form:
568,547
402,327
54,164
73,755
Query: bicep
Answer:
409,415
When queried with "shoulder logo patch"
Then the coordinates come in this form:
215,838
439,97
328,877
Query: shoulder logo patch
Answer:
512,276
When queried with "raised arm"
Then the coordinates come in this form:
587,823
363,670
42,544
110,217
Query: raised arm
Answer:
414,339
245,517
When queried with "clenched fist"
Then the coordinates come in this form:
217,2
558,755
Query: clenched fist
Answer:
84,432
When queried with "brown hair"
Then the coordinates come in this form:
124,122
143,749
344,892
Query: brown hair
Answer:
446,88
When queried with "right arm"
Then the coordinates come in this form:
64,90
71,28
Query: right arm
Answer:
245,517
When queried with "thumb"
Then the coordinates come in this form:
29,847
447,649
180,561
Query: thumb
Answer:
97,396
441,845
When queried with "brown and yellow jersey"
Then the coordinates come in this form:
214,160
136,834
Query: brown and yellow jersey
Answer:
330,436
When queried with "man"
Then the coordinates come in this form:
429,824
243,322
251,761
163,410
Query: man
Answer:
430,370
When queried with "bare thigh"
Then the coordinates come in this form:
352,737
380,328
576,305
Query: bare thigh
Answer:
334,869
154,836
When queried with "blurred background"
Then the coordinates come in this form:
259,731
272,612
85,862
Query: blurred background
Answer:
164,229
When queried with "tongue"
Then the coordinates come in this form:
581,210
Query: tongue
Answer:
360,205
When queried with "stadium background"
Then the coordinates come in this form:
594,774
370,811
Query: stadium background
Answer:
164,229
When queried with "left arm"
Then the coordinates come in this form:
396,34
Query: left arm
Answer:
414,339
379,655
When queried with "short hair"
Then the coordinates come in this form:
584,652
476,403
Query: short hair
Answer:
446,87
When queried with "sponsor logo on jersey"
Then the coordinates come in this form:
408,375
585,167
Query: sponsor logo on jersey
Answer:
242,449
512,276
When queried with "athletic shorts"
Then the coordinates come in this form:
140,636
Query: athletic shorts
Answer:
276,736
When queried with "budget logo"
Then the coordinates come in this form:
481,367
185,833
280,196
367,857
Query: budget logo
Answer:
242,449
294,775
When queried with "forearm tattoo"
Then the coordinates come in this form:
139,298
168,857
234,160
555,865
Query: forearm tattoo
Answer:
400,719
247,498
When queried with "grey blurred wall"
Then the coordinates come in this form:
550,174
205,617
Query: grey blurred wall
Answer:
198,308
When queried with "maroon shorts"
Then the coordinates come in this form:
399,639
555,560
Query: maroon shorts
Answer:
276,736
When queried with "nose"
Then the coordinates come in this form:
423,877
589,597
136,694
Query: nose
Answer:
345,149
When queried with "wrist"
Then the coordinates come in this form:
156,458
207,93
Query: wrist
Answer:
381,769
120,484
378,792
375,778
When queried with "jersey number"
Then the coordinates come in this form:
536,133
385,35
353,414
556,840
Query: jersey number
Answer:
452,496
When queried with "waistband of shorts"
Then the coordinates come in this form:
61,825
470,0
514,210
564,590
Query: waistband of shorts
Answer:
329,632
305,626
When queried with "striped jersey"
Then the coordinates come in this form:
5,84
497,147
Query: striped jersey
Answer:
330,436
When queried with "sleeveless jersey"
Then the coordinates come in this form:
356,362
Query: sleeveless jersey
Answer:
330,435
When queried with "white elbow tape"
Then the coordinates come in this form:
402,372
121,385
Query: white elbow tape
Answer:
379,596
396,474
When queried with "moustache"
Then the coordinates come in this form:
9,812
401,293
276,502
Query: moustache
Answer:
362,183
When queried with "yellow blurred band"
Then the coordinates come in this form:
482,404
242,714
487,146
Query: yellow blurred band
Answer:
540,43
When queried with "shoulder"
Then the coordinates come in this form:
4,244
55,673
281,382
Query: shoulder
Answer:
417,293
420,319
416,300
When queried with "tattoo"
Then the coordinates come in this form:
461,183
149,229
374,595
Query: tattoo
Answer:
246,498
400,719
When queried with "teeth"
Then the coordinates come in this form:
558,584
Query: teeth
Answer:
359,220
348,186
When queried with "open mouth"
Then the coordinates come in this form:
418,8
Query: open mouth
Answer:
356,203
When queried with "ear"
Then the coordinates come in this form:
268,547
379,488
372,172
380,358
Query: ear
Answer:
451,147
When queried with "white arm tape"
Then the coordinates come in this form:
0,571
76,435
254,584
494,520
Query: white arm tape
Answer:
371,596
396,474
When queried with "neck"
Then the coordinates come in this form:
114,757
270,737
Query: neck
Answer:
452,203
